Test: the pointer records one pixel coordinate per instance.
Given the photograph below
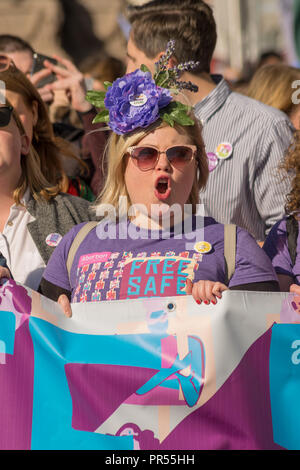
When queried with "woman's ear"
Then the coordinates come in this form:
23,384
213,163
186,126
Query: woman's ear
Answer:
35,112
25,144
172,62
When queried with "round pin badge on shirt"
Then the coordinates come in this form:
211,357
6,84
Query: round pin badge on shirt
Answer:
53,239
203,247
224,151
212,161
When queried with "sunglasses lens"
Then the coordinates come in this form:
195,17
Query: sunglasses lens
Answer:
4,63
5,113
179,156
145,157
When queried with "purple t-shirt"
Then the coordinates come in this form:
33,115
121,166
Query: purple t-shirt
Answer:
276,246
121,268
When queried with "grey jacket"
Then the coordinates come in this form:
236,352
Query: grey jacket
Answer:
58,215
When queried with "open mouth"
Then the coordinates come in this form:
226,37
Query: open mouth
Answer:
162,188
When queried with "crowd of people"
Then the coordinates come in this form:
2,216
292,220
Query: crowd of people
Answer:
102,177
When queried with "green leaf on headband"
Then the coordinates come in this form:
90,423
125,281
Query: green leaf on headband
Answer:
183,119
144,68
96,98
161,79
179,113
103,116
168,119
107,85
176,112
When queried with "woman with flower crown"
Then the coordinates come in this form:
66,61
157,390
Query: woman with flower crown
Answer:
151,241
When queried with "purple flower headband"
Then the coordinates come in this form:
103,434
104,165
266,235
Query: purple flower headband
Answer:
138,99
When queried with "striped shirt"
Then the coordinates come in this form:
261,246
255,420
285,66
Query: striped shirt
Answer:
245,189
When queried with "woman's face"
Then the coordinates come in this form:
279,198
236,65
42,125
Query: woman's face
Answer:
12,145
164,184
27,114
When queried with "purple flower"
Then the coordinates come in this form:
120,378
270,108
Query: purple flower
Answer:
135,101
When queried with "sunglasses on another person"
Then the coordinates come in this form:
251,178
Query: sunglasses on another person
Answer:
5,63
5,110
5,115
146,157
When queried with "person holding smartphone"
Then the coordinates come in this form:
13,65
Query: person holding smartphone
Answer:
71,82
35,211
22,54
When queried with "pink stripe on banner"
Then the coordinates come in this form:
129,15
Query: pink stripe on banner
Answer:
16,393
94,393
94,258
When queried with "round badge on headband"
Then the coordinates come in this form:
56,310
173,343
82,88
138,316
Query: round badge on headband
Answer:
138,100
224,151
53,239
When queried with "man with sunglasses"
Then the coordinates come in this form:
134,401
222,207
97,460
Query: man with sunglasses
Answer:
245,140
21,53
70,80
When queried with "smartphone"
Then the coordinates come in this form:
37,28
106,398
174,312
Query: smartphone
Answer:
38,64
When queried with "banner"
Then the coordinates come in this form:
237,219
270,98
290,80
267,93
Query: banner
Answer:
150,373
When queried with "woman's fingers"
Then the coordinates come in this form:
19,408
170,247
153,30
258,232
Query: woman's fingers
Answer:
218,288
4,272
47,95
38,76
294,289
67,71
65,305
208,291
188,287
56,69
4,275
68,64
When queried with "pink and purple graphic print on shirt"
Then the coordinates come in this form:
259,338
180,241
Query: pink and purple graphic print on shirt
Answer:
112,276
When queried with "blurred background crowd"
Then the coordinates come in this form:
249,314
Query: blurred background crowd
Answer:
87,31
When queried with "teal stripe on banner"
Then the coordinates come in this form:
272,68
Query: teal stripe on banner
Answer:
285,385
7,332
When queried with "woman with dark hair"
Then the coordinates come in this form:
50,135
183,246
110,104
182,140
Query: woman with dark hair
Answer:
56,154
35,213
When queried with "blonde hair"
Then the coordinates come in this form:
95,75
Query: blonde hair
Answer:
115,186
272,85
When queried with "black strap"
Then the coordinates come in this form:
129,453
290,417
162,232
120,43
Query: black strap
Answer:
264,286
292,230
52,291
